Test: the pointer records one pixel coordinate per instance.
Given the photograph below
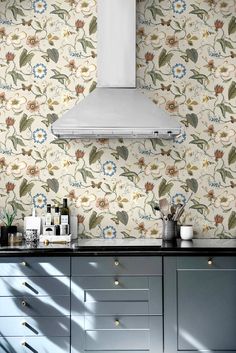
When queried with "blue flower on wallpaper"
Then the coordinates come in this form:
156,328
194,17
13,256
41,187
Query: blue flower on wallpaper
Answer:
39,200
39,71
178,198
39,6
179,6
179,70
109,232
109,168
39,136
180,138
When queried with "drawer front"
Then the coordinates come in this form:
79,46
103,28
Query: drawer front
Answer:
37,326
35,345
116,295
35,266
206,262
35,306
124,333
124,265
18,286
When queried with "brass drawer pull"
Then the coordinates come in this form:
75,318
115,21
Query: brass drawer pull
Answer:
23,263
210,262
117,323
24,323
116,282
116,263
24,303
24,343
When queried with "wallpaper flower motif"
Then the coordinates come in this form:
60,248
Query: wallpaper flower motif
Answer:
186,63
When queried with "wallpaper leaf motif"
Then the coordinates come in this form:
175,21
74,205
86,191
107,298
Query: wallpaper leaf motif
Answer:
186,51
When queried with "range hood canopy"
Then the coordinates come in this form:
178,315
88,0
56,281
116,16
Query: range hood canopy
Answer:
116,108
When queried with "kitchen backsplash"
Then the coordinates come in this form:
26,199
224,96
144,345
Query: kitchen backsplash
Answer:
186,63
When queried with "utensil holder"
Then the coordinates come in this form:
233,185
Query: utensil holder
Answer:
169,230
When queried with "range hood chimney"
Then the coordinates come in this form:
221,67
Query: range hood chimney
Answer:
116,108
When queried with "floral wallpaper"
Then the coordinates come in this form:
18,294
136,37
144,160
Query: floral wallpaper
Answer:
186,63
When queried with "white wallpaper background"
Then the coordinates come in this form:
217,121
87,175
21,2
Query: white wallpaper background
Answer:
186,63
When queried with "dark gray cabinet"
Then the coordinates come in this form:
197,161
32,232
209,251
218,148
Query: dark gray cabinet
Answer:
116,305
35,304
200,304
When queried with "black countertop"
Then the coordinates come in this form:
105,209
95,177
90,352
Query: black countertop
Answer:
125,247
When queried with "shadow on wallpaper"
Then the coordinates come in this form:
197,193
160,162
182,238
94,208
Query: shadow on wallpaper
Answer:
186,63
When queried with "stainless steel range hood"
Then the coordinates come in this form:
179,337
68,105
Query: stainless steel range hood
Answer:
116,108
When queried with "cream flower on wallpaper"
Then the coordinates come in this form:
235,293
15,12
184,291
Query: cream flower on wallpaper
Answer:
85,200
224,71
109,232
225,7
39,200
16,103
40,71
39,135
155,231
154,38
39,6
86,71
224,135
158,99
15,38
124,188
224,200
154,168
85,6
179,6
102,203
16,168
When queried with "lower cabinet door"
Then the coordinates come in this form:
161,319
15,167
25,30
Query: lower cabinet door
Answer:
35,345
200,305
116,334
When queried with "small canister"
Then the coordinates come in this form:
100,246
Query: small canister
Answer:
169,230
64,229
186,232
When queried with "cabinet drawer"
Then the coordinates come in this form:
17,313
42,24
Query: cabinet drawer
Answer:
37,326
206,262
116,295
35,306
35,345
124,265
124,333
35,266
18,286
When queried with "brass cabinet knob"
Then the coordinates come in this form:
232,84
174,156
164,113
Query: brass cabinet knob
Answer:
23,283
24,323
116,263
117,323
116,282
23,303
23,343
210,262
23,263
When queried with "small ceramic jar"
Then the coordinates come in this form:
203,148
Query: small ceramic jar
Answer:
186,232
